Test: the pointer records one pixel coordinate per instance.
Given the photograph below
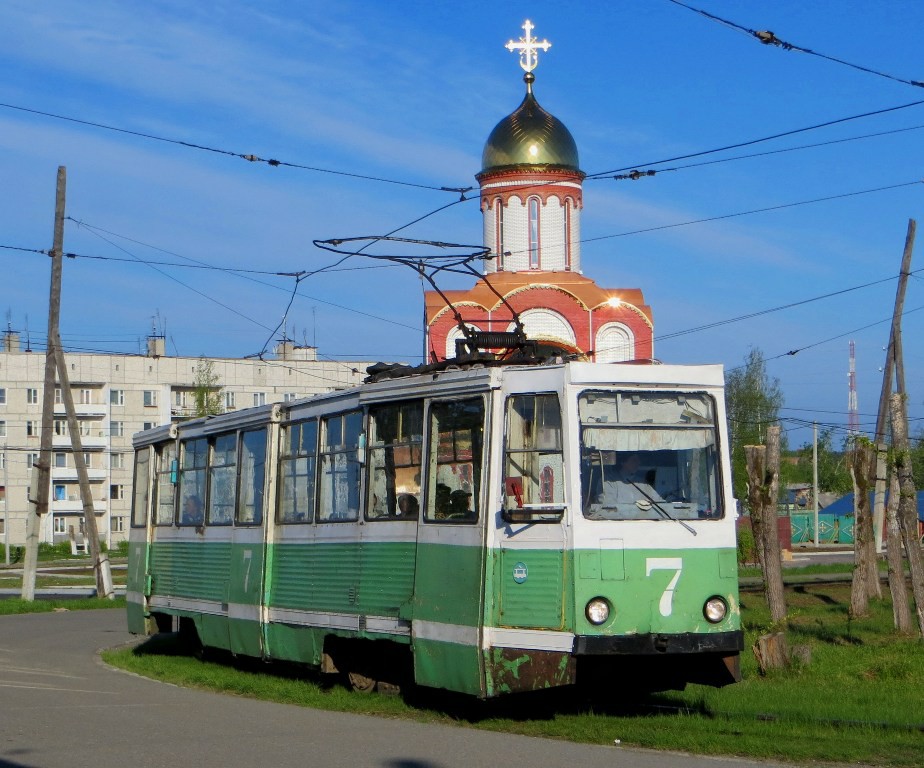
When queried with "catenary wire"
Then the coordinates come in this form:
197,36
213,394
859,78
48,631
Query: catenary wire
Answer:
768,38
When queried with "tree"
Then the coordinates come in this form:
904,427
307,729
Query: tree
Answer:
207,392
917,459
753,400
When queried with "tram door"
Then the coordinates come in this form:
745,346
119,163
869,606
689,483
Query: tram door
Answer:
529,563
389,534
448,586
248,552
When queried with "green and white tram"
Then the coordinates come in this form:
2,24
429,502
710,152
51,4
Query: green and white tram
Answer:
486,530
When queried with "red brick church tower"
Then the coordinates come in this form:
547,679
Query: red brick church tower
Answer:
531,201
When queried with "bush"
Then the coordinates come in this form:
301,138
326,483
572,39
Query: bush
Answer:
121,549
747,550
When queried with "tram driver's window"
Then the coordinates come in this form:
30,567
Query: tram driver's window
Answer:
252,475
395,443
456,445
534,470
340,477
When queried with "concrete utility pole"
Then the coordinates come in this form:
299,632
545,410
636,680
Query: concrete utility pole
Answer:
39,489
815,477
882,418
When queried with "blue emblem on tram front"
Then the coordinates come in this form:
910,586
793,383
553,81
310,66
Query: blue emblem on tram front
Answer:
520,572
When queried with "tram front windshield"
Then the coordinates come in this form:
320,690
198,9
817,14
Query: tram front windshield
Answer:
649,456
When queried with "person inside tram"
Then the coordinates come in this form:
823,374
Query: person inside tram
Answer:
192,510
408,506
623,483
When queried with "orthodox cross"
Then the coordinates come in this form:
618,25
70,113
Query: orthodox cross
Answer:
528,46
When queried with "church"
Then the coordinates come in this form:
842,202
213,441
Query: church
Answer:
531,188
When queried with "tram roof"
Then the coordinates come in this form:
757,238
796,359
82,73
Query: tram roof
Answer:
446,381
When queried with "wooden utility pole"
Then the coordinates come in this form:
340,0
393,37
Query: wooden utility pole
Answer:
100,560
39,488
907,505
882,418
763,466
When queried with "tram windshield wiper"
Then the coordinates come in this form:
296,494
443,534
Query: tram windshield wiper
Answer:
661,509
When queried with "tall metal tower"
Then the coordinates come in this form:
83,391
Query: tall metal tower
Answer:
853,412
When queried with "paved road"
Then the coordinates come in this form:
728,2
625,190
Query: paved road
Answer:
61,707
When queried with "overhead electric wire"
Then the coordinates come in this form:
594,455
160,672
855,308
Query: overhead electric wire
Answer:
636,174
754,210
751,142
249,157
270,285
767,37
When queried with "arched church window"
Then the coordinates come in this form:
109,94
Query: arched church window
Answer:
499,233
567,233
453,335
533,205
546,324
615,343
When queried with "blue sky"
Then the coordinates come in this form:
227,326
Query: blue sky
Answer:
409,92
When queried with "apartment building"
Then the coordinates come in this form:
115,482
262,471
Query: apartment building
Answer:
116,396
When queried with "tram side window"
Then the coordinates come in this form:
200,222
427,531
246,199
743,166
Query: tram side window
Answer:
193,458
252,478
166,484
222,479
454,461
534,475
297,466
339,498
395,443
141,496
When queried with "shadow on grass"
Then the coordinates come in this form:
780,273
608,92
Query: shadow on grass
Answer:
542,705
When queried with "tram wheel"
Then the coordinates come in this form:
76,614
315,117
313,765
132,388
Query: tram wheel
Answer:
360,683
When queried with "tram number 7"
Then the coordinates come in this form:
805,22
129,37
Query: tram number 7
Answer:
675,564
248,561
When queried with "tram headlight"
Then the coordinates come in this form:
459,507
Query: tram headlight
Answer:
597,611
715,609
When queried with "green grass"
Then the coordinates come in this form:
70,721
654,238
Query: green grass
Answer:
12,606
858,701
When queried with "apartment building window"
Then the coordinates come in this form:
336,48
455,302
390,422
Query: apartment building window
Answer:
32,396
150,398
60,493
2,395
59,398
116,492
116,461
60,525
179,398
229,401
2,461
116,524
116,428
149,425
116,397
259,398
86,460
31,459
86,397
60,460
288,397
2,429
32,428
61,427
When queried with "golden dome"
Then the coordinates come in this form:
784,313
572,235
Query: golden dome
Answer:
530,136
